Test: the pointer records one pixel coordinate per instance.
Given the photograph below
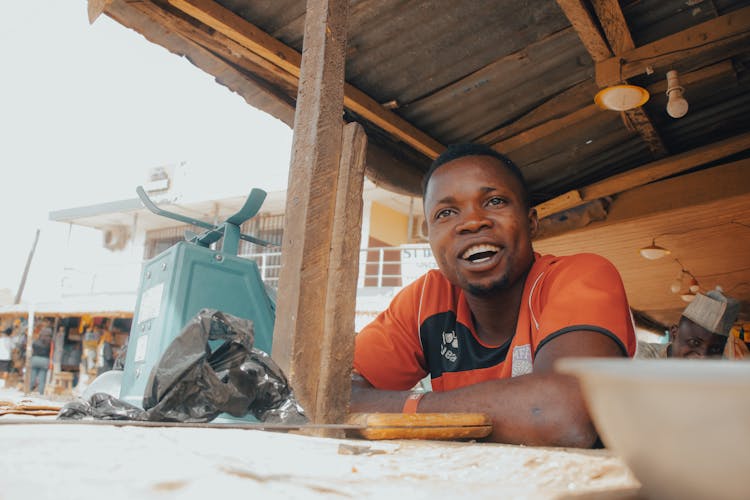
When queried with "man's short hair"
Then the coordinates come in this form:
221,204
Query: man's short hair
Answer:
456,151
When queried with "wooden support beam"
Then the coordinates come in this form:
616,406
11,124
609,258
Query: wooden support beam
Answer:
392,173
647,173
705,186
586,27
96,8
219,44
299,331
558,106
614,25
248,35
287,59
620,40
698,46
638,120
563,202
667,167
546,129
337,353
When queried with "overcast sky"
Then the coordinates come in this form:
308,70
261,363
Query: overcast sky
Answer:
86,110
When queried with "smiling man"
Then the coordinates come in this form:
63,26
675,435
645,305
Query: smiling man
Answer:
489,325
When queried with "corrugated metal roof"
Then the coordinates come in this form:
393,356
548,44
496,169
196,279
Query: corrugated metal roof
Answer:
461,70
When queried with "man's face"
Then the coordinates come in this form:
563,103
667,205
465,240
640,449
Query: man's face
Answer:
693,341
479,229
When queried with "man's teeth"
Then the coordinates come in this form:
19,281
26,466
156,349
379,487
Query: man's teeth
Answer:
480,260
477,249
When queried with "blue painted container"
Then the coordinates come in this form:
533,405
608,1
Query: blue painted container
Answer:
175,285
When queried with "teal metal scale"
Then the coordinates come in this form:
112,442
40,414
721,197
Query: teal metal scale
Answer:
191,276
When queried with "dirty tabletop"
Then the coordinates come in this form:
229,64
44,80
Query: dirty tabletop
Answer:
54,461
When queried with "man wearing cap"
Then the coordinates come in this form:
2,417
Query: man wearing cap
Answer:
702,331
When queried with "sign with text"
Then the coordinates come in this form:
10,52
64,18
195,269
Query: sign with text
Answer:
416,260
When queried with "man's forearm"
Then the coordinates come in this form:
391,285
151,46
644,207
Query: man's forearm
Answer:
367,399
536,409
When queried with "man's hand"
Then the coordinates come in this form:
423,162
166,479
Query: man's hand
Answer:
540,409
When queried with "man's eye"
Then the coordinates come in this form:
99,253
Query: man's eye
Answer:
443,213
496,200
694,343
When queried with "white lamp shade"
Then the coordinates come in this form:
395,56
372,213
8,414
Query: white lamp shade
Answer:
621,97
653,252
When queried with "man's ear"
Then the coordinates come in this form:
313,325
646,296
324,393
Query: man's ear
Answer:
672,333
533,222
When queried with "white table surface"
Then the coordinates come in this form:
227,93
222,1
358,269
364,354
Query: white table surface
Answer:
108,462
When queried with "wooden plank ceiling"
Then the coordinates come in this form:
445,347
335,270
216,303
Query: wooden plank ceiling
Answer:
517,75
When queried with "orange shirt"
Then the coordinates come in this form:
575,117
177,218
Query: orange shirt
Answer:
428,327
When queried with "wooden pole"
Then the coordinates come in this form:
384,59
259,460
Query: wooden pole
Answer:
311,199
29,351
25,274
337,345
52,368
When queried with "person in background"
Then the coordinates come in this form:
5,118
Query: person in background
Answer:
701,332
90,345
105,359
6,347
58,346
18,351
40,351
737,344
71,360
122,352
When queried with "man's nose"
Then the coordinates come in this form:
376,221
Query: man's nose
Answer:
700,352
473,221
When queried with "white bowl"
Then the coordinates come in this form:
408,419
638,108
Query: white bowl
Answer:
682,426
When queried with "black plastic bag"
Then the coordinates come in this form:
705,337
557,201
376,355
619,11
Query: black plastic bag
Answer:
193,383
101,406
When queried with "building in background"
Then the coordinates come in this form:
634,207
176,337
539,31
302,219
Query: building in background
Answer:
394,249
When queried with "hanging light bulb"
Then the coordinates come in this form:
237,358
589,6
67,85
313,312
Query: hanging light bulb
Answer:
677,106
653,251
676,285
694,287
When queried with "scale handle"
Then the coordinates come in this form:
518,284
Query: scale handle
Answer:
170,215
251,207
